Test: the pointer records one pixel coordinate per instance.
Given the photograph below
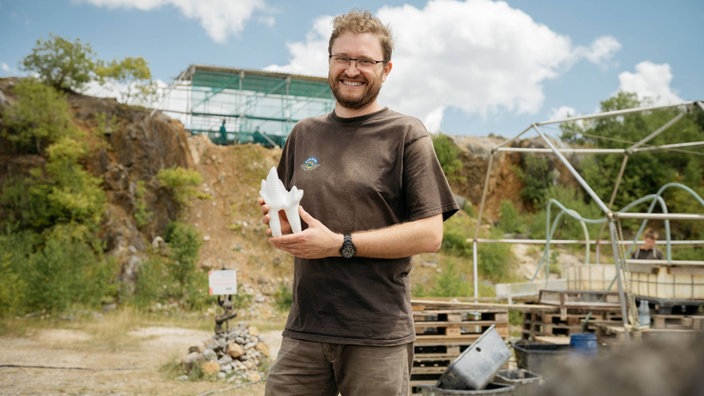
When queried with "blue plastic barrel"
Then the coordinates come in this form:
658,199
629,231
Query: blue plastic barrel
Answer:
583,343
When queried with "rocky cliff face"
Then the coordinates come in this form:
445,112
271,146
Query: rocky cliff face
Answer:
503,184
131,145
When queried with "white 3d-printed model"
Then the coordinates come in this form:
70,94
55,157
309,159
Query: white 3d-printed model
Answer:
275,195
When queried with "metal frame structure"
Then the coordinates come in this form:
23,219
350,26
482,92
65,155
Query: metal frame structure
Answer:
255,106
612,216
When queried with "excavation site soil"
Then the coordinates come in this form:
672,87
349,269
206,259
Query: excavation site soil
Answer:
73,362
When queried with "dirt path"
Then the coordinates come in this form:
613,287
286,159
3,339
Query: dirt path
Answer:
70,362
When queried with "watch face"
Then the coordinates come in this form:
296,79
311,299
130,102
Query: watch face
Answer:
347,251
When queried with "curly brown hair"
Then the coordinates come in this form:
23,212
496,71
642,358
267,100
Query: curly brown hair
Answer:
362,21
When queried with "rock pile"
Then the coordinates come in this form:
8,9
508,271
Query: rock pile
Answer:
238,356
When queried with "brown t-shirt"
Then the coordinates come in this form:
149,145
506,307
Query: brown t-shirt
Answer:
359,174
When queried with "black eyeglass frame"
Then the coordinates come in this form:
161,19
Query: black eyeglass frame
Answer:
356,60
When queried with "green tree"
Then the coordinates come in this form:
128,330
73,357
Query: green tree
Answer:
62,64
39,117
184,245
131,73
536,174
646,171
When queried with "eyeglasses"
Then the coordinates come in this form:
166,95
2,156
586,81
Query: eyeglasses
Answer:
360,63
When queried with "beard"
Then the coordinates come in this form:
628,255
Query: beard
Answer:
369,95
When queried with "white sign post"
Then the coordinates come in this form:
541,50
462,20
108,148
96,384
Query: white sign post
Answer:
222,282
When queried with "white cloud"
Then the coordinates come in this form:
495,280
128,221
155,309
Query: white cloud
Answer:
309,57
651,82
601,51
433,120
561,113
4,67
479,56
219,18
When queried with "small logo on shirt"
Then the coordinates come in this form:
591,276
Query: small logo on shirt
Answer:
310,164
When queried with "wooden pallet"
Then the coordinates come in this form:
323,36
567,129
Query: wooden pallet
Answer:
694,322
540,324
668,306
615,335
580,301
446,329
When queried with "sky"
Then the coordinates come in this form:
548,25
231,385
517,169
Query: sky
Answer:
473,67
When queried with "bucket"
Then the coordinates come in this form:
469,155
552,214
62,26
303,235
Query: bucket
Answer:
526,382
583,343
493,389
477,365
540,358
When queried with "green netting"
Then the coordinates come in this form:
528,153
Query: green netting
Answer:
257,106
268,84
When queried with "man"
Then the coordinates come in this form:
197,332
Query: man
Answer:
648,251
374,195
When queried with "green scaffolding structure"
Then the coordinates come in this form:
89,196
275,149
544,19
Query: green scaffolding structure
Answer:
253,106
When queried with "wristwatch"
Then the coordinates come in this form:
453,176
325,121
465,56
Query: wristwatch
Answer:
347,250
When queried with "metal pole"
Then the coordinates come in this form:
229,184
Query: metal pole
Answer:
660,216
619,112
619,281
669,146
562,150
475,247
479,222
657,131
574,172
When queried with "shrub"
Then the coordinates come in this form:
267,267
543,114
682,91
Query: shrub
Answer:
510,220
456,230
74,194
448,155
182,183
66,271
38,118
14,250
142,214
450,282
283,297
494,261
184,244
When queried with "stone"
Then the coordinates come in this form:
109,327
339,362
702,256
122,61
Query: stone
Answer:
210,354
210,368
235,350
190,360
254,376
196,348
225,359
262,348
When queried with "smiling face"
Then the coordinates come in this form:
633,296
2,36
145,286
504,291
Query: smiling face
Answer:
356,89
